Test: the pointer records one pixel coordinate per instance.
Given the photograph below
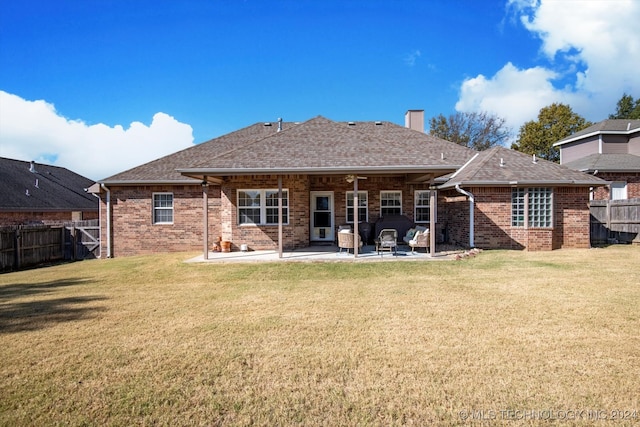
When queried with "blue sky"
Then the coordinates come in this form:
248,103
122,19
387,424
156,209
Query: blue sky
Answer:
101,86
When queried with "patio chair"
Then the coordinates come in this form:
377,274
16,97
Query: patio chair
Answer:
387,240
422,239
345,240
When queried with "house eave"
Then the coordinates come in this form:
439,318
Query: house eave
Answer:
595,133
192,172
521,183
133,182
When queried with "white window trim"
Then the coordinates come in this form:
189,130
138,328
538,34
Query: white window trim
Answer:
365,207
391,191
416,206
621,187
154,208
263,206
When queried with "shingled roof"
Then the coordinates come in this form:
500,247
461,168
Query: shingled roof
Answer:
610,126
501,166
606,163
318,145
35,187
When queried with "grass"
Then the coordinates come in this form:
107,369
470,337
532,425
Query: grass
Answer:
155,341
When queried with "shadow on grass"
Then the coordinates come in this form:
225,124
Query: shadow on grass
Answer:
19,316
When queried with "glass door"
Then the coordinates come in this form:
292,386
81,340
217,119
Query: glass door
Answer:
322,228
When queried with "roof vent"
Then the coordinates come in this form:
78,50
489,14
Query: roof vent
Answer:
32,167
27,193
441,156
378,123
502,162
351,123
535,159
629,126
267,124
279,124
37,185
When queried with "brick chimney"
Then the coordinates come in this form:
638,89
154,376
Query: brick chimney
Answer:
414,119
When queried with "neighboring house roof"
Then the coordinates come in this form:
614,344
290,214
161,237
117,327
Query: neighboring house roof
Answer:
501,166
35,187
606,163
318,145
610,126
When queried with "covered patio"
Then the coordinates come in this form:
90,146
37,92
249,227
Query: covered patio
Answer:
330,253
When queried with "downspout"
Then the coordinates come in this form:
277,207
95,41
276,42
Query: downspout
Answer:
104,187
471,206
99,220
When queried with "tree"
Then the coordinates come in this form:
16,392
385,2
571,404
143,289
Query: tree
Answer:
627,108
555,122
475,130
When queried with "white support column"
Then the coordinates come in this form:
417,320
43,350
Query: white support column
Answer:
279,216
433,197
205,217
356,207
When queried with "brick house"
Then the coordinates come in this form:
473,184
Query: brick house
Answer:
609,149
33,193
315,173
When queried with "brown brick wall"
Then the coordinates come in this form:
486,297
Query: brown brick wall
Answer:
133,231
632,180
492,222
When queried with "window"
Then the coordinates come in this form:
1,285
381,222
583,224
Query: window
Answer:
390,203
540,207
517,207
422,206
618,190
163,208
260,207
363,210
537,203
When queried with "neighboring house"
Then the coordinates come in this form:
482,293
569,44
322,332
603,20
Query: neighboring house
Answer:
34,193
610,150
229,187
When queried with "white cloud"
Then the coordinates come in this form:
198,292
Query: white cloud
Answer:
34,130
593,45
411,58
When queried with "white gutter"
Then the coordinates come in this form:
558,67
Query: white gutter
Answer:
471,205
104,187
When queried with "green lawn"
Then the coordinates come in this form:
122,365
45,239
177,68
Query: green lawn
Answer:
505,337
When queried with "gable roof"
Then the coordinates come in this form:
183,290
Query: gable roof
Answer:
49,188
610,126
164,169
606,163
318,145
501,166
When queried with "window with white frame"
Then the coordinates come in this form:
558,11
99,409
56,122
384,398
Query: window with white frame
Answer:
363,209
162,208
260,207
517,207
390,203
536,203
618,190
422,206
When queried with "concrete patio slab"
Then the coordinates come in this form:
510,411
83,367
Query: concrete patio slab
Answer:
327,254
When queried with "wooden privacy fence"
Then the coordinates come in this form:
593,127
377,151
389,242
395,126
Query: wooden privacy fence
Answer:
24,246
615,221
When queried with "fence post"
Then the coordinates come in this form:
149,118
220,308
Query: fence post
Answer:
18,248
